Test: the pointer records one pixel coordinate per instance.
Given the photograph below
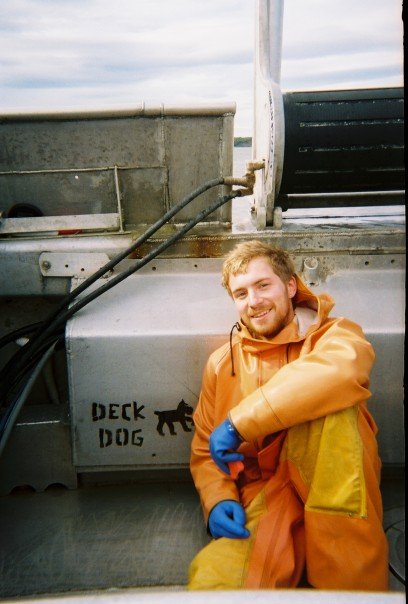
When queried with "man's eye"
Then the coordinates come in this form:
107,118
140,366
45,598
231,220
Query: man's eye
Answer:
240,295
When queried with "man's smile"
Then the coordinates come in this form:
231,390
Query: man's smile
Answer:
260,314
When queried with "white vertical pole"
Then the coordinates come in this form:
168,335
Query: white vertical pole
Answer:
268,134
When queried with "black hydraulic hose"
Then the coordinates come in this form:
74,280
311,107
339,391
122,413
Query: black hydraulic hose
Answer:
13,368
21,332
104,269
122,255
10,417
19,373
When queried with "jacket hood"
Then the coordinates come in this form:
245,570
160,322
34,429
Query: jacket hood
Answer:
310,311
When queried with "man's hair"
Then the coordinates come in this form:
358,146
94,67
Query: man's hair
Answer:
237,260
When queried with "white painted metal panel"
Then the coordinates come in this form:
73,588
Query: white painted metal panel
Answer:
140,349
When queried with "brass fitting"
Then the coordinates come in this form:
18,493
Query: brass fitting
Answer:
248,180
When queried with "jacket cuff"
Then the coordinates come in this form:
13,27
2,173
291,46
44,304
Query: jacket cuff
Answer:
254,417
231,427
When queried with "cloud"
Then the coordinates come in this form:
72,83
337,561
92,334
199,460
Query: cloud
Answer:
342,44
367,70
99,53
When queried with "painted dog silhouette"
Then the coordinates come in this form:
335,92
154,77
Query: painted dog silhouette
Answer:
171,416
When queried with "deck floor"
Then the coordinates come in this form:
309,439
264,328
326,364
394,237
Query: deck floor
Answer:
101,537
98,538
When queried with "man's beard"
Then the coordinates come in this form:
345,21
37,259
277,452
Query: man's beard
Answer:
269,331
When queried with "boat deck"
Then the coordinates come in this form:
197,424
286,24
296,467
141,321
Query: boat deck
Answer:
121,536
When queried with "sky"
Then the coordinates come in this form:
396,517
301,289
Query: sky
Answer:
98,54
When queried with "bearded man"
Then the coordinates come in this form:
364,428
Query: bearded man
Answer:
287,399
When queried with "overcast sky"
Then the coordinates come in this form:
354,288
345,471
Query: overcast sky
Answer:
58,54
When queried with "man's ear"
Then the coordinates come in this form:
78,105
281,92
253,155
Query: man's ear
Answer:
292,287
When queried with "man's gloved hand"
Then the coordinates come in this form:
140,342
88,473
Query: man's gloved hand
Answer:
227,519
224,440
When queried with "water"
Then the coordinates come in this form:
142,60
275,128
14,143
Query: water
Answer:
241,156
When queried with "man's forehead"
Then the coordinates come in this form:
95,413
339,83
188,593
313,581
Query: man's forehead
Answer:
256,270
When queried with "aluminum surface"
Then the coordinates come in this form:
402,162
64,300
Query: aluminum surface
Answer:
38,453
135,361
63,165
71,265
140,349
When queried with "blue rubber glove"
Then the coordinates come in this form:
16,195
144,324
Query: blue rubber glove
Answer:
227,519
224,440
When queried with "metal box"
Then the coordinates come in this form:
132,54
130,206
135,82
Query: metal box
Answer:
114,170
135,362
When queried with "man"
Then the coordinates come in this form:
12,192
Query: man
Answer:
287,397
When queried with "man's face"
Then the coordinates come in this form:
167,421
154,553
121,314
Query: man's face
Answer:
263,301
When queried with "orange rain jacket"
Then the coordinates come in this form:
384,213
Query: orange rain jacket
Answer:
299,402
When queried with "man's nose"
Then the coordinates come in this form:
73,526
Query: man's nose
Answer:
253,297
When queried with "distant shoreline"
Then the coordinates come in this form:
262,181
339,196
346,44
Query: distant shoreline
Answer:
243,141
